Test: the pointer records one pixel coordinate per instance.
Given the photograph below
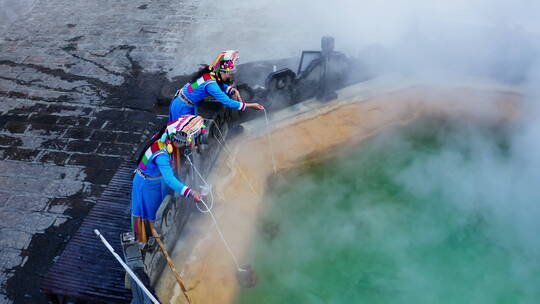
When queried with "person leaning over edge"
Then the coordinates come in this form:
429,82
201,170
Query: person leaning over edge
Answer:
210,81
154,165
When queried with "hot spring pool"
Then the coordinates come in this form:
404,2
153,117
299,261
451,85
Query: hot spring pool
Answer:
418,214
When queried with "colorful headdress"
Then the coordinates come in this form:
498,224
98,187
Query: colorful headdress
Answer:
226,61
184,130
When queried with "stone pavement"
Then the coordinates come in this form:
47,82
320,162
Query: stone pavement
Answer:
78,84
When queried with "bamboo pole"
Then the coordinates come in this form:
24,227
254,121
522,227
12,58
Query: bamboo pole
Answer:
170,262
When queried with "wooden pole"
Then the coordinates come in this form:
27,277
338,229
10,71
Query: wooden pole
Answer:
178,162
170,262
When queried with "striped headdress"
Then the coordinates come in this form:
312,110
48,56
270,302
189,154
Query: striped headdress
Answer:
226,61
184,129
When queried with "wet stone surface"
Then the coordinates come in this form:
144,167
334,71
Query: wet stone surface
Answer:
77,93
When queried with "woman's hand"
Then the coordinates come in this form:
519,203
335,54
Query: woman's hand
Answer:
255,106
237,95
197,197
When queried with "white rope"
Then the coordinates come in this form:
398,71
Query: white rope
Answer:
224,144
209,210
206,185
233,159
270,142
222,237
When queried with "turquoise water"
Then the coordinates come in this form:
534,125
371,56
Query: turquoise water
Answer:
419,214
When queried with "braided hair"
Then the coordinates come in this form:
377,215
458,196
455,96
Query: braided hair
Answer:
149,142
206,69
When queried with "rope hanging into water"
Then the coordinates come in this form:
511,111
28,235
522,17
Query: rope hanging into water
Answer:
222,237
209,210
206,185
224,146
269,136
246,276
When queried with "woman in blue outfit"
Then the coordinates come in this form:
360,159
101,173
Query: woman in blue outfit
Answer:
154,166
209,81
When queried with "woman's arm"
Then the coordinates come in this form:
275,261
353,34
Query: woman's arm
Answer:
228,89
163,163
232,90
214,90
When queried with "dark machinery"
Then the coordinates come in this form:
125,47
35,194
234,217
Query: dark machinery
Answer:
319,74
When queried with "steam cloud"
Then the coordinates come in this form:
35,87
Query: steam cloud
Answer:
497,40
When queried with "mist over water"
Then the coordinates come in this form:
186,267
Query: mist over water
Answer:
436,212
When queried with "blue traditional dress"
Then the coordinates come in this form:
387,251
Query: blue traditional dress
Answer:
153,174
186,100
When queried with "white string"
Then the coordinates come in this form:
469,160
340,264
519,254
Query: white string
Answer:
232,157
209,210
224,144
206,184
222,237
270,142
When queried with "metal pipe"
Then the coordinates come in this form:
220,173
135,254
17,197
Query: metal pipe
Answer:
131,273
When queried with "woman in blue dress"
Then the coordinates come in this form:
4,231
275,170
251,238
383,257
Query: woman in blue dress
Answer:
155,171
210,81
